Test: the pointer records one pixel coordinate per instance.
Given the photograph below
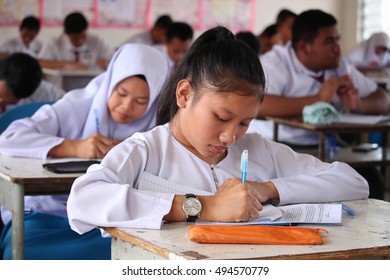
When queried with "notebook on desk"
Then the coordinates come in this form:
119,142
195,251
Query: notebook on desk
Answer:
361,119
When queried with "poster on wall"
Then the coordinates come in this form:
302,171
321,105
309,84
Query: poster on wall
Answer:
175,9
54,11
234,14
200,14
13,11
116,13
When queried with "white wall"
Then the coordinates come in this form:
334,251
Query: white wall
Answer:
345,12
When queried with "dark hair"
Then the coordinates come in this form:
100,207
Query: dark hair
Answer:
163,21
216,60
30,22
250,39
75,23
22,74
269,31
283,15
307,24
180,30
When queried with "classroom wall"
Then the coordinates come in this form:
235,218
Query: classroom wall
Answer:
265,12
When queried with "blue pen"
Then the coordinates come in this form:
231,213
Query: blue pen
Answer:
244,165
348,210
96,112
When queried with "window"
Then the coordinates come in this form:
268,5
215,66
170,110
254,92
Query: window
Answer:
374,17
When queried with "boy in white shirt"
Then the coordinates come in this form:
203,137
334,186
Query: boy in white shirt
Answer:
26,42
75,48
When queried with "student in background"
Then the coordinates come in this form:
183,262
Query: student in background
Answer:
86,123
179,38
267,38
156,35
375,51
250,39
203,116
26,42
284,23
21,82
308,70
75,48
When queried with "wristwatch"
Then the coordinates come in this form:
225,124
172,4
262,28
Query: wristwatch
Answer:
192,207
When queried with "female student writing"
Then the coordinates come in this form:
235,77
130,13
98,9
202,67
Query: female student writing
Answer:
86,123
204,112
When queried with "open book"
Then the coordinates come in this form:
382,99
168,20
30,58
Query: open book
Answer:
303,213
296,213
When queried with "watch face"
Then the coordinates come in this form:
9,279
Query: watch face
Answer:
192,206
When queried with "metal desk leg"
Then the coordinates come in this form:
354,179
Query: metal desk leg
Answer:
321,146
12,198
384,153
276,131
18,222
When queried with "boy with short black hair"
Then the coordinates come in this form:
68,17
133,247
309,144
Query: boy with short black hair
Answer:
21,82
179,38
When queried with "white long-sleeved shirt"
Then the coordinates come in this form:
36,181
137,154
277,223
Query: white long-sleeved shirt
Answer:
16,45
46,92
109,194
286,76
61,48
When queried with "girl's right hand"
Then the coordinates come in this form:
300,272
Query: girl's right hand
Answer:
233,202
95,146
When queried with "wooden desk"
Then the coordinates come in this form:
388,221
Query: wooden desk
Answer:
366,236
24,176
322,130
70,79
381,75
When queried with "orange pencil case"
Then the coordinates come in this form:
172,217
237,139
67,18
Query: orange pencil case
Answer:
265,235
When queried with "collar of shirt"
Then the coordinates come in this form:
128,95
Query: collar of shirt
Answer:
300,68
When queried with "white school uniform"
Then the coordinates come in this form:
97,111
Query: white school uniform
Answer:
61,48
46,92
163,48
16,45
73,117
107,195
287,76
142,38
364,54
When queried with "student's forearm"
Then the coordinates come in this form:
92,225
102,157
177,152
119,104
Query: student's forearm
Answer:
65,149
278,106
376,103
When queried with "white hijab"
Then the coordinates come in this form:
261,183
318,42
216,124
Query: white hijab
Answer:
76,111
364,54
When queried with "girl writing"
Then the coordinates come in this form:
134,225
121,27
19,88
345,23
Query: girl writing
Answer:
191,161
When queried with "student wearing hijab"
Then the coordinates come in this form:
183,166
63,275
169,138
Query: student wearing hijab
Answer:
372,52
86,123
